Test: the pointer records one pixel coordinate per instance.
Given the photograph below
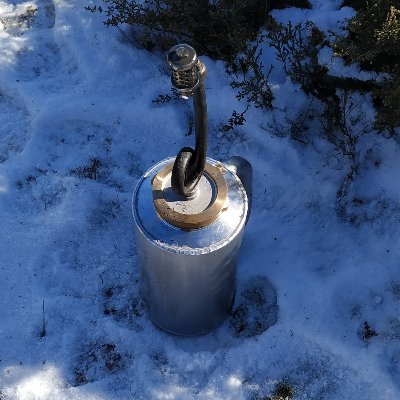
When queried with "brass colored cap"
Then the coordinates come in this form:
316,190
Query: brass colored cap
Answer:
186,220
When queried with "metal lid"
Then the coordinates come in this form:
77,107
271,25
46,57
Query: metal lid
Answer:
195,212
209,230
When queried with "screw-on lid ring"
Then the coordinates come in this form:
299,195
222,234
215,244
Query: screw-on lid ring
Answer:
184,220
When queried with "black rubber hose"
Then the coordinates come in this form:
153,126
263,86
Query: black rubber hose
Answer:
189,164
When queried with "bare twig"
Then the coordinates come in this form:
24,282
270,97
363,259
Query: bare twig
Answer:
43,332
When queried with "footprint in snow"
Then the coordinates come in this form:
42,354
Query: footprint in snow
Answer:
255,308
14,126
19,17
41,56
46,15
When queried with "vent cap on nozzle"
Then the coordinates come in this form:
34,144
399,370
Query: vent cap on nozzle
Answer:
188,72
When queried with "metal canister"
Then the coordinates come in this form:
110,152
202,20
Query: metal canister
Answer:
188,247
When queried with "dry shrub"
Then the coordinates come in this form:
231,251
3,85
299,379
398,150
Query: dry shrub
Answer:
219,28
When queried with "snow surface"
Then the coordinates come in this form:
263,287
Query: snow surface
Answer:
72,90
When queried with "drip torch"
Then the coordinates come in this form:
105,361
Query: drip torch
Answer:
190,212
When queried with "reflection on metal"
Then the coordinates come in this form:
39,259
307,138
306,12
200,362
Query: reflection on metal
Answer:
243,169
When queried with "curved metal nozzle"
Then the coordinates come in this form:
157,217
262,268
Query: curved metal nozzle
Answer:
188,75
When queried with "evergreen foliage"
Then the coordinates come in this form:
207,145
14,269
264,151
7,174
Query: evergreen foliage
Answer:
373,40
373,36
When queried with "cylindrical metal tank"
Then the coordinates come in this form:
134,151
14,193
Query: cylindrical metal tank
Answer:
187,249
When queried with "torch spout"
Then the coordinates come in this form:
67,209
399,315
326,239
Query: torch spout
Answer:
188,75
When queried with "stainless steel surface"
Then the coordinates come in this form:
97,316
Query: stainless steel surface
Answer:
243,169
188,277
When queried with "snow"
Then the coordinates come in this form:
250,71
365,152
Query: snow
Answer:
73,91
